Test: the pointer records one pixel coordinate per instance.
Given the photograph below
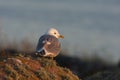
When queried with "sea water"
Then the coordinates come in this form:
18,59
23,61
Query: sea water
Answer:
89,26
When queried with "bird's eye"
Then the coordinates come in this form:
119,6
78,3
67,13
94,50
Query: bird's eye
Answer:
54,32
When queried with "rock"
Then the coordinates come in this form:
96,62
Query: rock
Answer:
24,68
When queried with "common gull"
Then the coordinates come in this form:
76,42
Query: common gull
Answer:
48,44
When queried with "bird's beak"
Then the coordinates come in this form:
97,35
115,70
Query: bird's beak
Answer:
61,36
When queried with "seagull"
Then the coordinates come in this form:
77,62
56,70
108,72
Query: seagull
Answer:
48,44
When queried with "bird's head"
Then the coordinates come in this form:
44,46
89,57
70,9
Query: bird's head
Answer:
55,33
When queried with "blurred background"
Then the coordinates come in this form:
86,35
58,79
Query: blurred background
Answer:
91,27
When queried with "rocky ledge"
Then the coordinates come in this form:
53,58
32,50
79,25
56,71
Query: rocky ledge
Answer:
21,67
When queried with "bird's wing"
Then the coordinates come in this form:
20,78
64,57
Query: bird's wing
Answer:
49,43
41,43
54,46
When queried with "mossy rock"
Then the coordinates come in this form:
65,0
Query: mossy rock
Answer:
28,68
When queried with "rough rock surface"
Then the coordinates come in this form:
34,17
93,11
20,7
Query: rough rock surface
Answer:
19,67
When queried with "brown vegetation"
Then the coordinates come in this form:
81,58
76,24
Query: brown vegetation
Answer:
17,66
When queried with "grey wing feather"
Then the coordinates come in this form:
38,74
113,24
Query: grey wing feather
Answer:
53,47
40,44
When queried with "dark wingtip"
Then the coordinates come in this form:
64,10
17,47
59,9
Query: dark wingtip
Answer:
41,53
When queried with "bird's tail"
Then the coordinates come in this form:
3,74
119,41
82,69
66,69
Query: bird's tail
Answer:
41,53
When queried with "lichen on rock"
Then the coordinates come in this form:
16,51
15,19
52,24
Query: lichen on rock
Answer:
33,68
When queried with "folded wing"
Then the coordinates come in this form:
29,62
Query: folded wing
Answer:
48,43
